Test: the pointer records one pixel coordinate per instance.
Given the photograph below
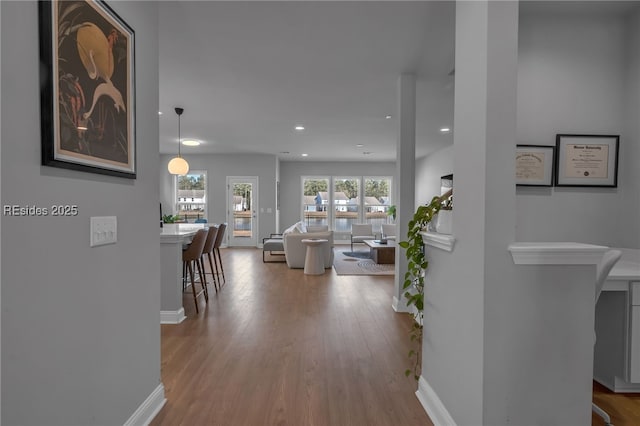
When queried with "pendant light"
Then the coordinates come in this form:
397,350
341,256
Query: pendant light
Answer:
178,165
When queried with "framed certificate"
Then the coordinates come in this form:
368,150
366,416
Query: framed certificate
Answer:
534,165
587,160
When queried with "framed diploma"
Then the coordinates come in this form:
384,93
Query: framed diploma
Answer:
587,160
534,165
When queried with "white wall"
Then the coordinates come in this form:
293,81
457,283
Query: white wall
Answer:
572,80
291,173
80,325
630,148
456,348
218,167
566,83
429,170
278,206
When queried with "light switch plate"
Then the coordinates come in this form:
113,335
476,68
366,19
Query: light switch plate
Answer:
104,230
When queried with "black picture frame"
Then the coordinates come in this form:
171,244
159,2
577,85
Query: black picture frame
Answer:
87,88
587,160
535,165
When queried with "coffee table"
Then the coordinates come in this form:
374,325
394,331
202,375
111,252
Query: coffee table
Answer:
382,253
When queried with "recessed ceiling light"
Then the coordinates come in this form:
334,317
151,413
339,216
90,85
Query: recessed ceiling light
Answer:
387,117
305,155
445,130
159,112
299,128
83,128
190,142
360,145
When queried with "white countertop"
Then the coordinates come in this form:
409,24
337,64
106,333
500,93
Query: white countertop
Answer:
178,232
628,267
556,253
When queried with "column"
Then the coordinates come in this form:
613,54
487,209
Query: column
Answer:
405,177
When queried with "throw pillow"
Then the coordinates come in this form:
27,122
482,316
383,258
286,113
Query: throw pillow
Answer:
291,230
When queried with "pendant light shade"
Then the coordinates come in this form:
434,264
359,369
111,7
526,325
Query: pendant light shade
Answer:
178,165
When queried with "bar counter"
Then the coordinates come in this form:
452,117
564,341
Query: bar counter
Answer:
172,238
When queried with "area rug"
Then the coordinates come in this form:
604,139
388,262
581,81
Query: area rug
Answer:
361,265
358,254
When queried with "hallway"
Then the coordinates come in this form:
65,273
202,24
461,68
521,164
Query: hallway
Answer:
277,347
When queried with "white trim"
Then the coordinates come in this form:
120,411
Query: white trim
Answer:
148,409
441,241
394,304
435,409
403,309
556,253
172,317
618,385
255,208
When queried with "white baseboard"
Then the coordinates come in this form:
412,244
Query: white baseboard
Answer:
172,317
435,409
402,307
148,409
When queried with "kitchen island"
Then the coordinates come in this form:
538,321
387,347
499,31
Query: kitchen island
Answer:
172,238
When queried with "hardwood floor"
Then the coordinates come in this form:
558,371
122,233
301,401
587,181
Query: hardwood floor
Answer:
623,408
277,347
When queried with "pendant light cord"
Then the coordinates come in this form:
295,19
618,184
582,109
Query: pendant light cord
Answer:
179,141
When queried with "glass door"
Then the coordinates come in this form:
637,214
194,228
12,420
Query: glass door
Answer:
242,206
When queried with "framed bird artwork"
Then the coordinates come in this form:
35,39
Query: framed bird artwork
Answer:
87,88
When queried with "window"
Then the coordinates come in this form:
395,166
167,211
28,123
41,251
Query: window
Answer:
377,200
315,201
191,196
346,203
342,201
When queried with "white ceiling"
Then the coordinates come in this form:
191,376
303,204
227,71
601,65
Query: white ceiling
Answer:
246,73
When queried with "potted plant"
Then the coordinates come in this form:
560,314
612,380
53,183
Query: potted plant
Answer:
391,211
414,278
168,218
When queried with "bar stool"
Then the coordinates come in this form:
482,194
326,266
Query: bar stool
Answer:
216,249
193,255
208,250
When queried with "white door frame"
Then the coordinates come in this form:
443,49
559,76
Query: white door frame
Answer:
253,240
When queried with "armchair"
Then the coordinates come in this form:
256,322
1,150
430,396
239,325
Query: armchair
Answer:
389,231
272,243
361,232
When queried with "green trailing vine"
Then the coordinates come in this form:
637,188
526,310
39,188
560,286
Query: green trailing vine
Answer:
414,278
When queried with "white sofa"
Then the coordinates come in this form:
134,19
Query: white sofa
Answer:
295,251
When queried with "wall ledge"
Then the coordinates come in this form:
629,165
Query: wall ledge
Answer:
556,253
441,241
